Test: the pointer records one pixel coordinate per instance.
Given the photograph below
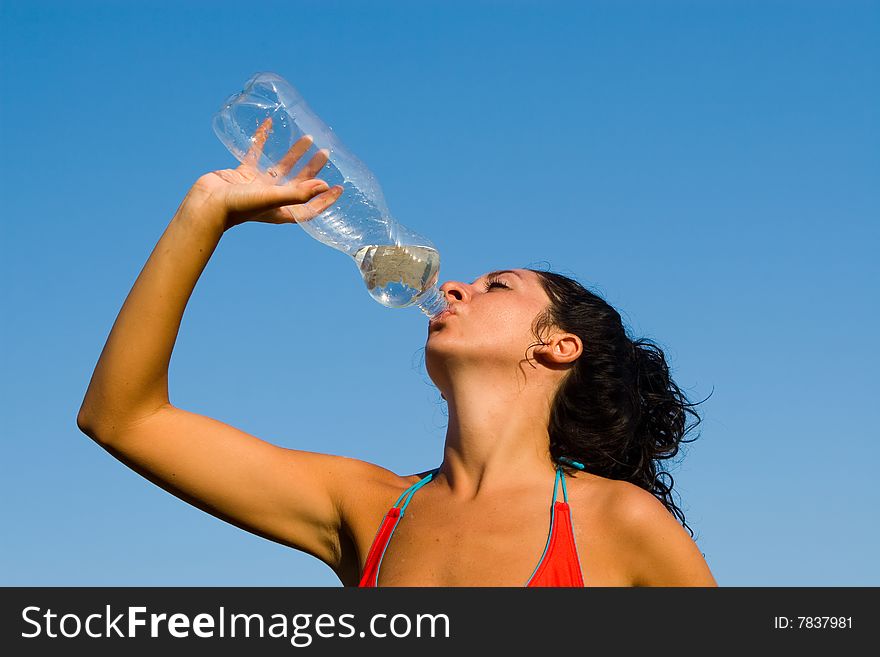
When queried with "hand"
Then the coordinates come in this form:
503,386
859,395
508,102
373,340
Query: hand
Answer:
248,194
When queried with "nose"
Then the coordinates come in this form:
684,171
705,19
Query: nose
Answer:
455,292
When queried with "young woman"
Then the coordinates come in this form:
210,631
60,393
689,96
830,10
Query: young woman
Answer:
557,423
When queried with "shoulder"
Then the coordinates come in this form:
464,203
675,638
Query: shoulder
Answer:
637,511
363,492
356,487
357,481
654,546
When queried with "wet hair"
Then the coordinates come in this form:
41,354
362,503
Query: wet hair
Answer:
617,411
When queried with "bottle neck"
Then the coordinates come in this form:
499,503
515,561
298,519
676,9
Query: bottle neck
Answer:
432,302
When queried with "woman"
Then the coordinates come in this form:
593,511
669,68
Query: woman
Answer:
556,423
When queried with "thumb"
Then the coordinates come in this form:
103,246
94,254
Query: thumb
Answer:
303,190
294,192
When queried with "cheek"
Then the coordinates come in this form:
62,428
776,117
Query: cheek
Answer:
503,333
507,333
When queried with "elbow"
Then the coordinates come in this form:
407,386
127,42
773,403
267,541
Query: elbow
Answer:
93,423
86,424
86,417
105,428
99,431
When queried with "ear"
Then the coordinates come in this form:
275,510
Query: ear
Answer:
561,348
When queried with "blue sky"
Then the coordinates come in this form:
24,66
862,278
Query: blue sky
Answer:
710,168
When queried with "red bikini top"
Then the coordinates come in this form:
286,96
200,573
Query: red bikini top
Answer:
558,566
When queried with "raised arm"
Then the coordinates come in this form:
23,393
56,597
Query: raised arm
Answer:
290,496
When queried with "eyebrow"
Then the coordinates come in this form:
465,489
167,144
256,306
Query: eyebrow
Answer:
493,274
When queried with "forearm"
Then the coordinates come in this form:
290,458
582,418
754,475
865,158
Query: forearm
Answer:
131,377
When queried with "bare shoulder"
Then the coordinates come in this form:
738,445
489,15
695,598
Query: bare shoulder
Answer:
655,547
364,492
364,476
358,482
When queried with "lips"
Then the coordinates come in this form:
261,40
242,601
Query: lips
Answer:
446,313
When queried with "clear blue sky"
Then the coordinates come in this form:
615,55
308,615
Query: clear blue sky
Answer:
711,168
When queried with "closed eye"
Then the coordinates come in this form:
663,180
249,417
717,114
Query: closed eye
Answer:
492,282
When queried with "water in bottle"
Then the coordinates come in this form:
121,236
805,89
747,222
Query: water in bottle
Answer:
399,266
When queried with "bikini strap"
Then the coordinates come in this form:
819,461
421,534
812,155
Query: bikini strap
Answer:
409,492
560,476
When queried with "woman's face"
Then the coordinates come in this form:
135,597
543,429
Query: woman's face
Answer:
489,321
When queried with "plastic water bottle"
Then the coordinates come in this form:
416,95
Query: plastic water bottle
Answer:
399,267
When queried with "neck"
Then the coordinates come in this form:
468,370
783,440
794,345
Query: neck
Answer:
497,436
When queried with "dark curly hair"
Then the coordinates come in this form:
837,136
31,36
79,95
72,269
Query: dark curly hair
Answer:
617,411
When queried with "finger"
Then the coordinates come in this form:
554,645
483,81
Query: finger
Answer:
311,169
316,206
292,156
295,193
269,197
258,141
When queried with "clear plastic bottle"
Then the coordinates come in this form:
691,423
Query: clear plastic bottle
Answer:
399,267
